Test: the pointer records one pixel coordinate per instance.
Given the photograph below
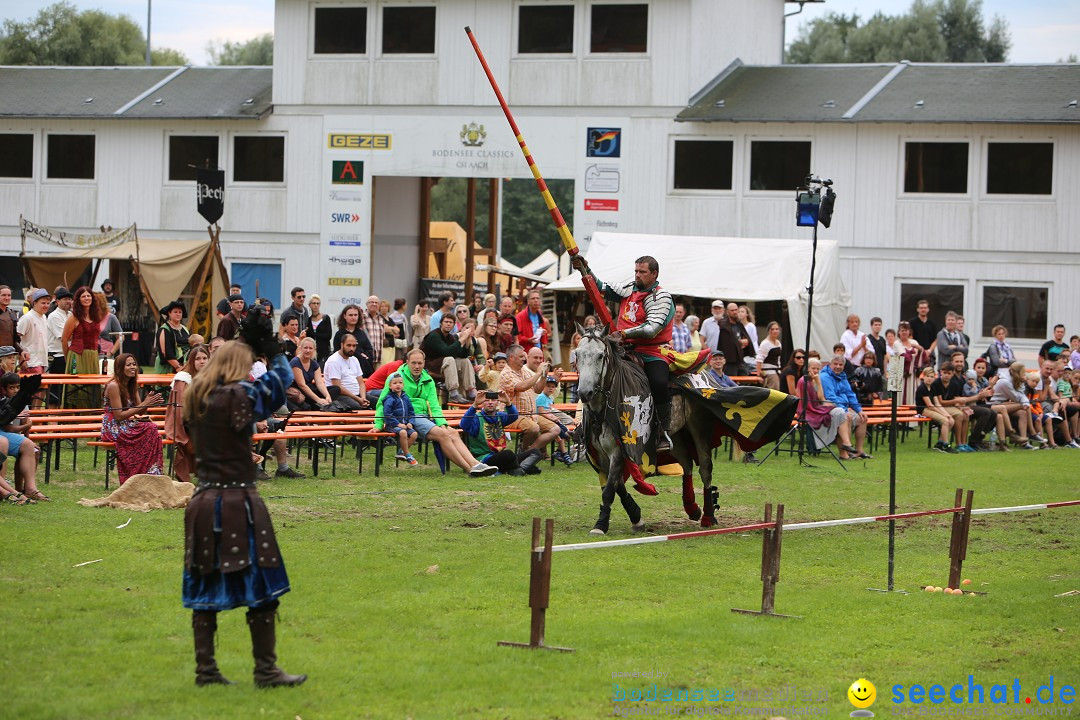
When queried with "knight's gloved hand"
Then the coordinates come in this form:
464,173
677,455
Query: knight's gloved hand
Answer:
580,264
30,384
271,348
257,331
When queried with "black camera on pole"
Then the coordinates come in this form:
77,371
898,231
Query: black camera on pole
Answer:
814,202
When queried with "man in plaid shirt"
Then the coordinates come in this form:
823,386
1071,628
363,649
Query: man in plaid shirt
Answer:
680,333
375,327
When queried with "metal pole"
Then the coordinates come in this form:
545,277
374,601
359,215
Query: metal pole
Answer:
148,3
892,489
809,318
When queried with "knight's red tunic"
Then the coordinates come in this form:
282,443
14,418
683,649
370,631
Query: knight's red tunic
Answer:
631,315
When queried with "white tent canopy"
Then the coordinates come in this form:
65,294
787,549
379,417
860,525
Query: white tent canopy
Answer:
733,269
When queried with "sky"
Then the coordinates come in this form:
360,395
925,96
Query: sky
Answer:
1042,30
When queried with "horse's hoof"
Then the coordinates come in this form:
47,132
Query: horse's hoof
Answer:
597,531
693,512
639,526
708,521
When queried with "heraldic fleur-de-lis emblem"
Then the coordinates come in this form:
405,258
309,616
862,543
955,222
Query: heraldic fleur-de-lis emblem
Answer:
472,135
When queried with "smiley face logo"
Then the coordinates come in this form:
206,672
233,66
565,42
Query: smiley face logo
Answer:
862,693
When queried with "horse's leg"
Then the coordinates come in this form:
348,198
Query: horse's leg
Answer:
607,496
697,427
633,511
681,452
609,446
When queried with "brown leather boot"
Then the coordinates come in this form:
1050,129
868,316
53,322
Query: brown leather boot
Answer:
263,644
204,623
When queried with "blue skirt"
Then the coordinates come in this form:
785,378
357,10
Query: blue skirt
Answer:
252,587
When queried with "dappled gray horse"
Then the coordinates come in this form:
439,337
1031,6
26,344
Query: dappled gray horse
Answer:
603,374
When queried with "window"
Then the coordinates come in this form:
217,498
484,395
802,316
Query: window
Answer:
408,30
935,167
188,152
340,30
620,28
1022,310
545,29
16,155
265,276
778,165
942,299
71,157
259,158
703,164
1020,168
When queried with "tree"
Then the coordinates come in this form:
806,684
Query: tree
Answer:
166,57
931,31
256,51
527,229
61,35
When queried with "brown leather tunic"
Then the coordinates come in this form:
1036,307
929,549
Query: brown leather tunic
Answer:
223,460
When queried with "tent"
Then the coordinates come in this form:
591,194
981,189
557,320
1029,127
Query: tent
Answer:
164,270
733,269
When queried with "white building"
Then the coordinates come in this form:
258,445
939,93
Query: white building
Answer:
668,114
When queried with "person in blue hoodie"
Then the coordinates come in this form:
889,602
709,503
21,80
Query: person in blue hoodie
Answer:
398,416
485,426
838,391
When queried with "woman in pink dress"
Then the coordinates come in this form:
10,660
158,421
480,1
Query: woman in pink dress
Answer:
138,443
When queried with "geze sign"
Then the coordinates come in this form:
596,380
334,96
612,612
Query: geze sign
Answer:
210,193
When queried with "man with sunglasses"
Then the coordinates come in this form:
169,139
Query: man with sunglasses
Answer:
299,311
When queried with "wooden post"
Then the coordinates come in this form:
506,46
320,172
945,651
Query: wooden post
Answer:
539,588
470,242
425,227
493,230
771,542
959,537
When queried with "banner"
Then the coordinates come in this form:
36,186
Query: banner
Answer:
201,321
433,287
72,240
210,193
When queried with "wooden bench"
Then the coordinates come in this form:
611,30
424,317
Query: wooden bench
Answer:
110,455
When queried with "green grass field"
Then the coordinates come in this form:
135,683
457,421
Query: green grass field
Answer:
402,586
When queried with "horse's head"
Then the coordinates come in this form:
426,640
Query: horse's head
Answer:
593,358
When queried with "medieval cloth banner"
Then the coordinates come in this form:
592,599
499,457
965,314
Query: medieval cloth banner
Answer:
210,193
201,320
73,240
752,416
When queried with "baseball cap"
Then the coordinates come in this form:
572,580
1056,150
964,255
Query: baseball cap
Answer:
235,297
62,293
500,356
718,353
552,379
38,294
6,350
718,303
970,375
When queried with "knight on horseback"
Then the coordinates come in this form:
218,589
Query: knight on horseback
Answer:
646,312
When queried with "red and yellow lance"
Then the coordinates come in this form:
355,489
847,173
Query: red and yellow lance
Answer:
560,225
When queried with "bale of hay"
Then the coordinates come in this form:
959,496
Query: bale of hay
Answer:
145,493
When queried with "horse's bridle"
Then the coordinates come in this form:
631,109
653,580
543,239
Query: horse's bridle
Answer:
604,387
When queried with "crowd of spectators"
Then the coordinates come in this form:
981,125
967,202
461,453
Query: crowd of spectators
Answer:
978,401
491,356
